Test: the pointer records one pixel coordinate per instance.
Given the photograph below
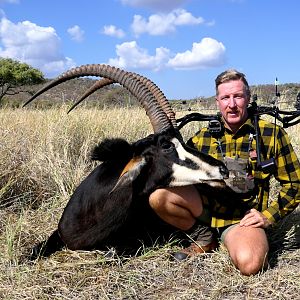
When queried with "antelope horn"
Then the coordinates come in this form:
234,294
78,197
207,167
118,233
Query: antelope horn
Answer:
158,118
96,86
158,94
160,97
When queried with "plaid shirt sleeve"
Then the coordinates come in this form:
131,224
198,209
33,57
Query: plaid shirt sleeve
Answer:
288,175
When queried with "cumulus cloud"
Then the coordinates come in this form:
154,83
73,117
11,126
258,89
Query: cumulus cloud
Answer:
38,46
113,31
131,56
207,53
157,5
76,33
161,24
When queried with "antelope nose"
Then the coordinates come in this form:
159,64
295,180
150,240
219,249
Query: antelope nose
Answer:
224,172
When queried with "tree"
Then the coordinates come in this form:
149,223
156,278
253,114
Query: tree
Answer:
16,77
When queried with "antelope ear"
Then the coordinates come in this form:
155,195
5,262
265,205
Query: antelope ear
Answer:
131,171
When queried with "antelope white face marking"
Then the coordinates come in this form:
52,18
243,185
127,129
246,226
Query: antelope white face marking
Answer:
184,175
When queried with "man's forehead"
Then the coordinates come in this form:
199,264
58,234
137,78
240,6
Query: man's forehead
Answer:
230,87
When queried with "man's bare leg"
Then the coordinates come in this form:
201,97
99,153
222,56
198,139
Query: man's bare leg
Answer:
248,248
178,206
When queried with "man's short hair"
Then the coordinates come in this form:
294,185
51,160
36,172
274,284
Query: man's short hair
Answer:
232,74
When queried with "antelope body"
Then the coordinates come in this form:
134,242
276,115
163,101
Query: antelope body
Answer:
110,207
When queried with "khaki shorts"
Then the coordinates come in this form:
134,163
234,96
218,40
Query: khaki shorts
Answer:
221,232
224,230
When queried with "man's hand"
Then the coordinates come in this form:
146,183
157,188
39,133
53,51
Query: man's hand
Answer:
254,218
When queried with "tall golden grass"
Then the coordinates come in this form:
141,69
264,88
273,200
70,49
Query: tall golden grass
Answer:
44,156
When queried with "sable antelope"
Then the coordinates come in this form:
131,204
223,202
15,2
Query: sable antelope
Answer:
110,207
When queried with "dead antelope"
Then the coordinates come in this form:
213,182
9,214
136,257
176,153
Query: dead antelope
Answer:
110,207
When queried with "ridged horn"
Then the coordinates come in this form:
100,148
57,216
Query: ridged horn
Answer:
158,118
157,93
160,97
96,86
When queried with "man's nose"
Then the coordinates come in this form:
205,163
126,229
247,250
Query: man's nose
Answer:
232,102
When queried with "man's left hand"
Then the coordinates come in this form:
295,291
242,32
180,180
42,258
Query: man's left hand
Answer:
254,218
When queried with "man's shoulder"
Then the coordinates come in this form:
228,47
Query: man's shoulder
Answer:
268,124
202,132
265,123
202,137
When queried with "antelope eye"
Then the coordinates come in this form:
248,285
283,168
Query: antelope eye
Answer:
167,147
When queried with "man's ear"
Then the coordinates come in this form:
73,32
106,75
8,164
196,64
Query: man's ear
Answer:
131,171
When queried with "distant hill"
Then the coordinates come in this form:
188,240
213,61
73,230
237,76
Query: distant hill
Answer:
115,95
70,91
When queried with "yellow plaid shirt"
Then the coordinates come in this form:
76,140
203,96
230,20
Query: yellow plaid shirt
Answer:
287,171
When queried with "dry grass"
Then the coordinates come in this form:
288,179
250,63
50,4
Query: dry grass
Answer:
44,155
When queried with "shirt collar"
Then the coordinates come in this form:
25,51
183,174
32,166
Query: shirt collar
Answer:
248,124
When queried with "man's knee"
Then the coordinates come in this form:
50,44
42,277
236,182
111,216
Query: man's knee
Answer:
185,197
158,199
248,248
178,206
249,263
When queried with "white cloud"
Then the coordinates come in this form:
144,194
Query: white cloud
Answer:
131,56
112,30
161,24
207,53
76,33
182,17
38,46
157,5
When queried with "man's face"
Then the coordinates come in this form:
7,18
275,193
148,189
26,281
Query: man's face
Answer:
232,101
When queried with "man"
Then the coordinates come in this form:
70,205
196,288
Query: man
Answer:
240,220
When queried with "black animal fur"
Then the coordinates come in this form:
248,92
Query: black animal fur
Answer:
98,215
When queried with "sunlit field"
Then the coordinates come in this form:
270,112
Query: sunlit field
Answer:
44,156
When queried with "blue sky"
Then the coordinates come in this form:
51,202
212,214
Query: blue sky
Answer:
182,45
